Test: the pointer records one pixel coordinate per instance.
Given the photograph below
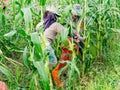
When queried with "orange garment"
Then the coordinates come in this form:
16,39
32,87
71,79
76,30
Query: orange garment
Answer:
66,55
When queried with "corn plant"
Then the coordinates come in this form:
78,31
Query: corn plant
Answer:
21,44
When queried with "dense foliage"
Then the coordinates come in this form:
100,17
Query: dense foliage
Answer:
22,48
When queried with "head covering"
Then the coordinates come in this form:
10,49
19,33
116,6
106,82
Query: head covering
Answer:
49,19
50,16
77,10
52,9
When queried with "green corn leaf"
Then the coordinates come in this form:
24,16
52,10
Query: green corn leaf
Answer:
42,72
115,30
25,57
64,35
1,53
18,18
27,18
35,38
108,2
28,1
75,67
34,12
27,15
19,7
42,2
10,34
6,72
22,32
3,19
41,69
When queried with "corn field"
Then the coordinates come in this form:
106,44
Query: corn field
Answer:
24,61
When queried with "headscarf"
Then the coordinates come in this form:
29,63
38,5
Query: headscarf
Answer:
49,19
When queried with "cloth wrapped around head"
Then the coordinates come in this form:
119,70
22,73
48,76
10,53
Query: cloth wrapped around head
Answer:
77,10
50,16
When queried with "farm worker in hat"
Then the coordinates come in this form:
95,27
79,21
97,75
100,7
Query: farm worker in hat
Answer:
66,52
51,29
76,14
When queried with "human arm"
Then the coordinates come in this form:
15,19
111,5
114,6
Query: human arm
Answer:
59,28
77,36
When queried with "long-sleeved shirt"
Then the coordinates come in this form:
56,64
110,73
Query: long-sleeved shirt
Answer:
51,32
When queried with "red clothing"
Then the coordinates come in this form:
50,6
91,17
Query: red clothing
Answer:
66,55
3,86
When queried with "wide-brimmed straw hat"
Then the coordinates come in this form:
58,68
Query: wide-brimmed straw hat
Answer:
77,10
52,9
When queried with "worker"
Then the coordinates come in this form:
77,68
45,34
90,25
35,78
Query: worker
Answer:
66,52
51,29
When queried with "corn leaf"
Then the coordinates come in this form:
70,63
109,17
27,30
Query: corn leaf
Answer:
3,19
6,72
10,34
42,2
25,57
22,32
42,72
35,38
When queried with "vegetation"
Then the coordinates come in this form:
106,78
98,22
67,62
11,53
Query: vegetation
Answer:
24,61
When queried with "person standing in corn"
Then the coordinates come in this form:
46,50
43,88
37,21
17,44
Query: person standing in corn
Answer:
76,15
51,29
66,53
